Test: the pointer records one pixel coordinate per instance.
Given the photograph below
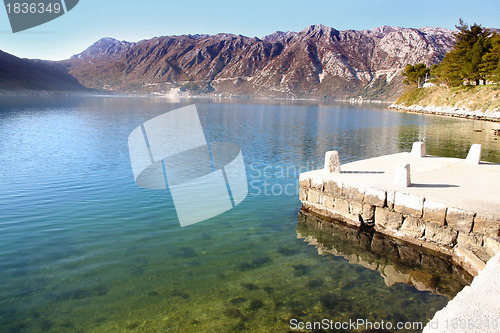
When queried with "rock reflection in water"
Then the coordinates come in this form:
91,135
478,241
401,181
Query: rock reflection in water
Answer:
396,260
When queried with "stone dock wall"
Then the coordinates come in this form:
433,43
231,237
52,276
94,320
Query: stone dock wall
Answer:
470,238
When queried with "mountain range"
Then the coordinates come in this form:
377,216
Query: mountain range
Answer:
24,75
317,62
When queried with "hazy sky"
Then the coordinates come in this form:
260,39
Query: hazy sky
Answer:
136,20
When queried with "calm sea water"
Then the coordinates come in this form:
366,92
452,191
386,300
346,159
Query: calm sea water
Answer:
82,248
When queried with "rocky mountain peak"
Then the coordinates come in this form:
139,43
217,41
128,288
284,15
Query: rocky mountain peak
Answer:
318,31
105,47
279,36
381,31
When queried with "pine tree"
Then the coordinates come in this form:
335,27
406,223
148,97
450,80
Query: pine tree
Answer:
490,67
465,61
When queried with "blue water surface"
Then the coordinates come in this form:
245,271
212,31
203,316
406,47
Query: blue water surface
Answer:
82,248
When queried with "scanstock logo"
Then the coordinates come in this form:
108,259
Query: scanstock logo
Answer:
204,179
26,14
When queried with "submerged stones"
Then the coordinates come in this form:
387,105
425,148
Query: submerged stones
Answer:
255,263
81,293
188,252
314,283
300,269
255,304
238,300
269,290
334,303
180,294
249,286
233,313
287,251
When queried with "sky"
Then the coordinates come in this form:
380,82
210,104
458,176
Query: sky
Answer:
132,21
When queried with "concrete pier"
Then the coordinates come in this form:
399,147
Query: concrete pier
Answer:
450,205
475,309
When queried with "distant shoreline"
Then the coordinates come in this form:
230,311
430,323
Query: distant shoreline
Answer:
45,93
448,111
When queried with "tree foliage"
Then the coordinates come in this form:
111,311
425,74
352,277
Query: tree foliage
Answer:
473,59
415,74
490,67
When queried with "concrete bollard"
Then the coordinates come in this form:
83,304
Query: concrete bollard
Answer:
332,162
402,177
418,149
474,155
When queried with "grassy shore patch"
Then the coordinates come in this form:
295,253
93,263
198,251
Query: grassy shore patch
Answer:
475,98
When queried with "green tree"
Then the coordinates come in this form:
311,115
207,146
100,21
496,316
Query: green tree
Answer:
465,61
490,66
415,74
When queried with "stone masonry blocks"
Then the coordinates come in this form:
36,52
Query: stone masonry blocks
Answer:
303,194
313,196
386,219
413,227
492,244
354,193
409,204
341,205
391,197
459,220
334,188
468,239
375,197
441,235
434,212
328,201
368,214
317,183
486,226
304,182
356,207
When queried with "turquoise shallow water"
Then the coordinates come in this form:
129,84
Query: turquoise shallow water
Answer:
82,248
